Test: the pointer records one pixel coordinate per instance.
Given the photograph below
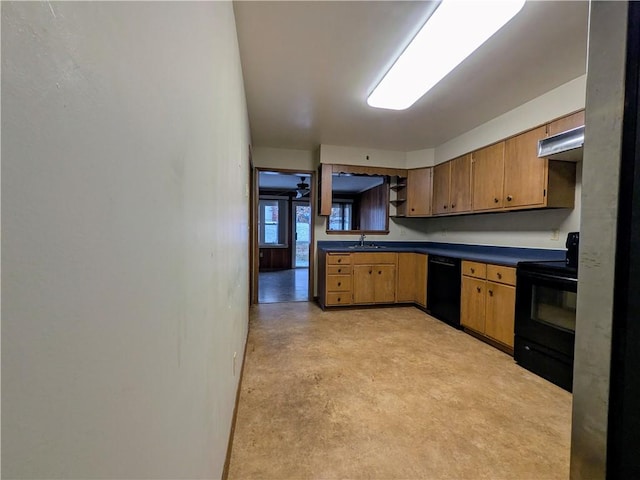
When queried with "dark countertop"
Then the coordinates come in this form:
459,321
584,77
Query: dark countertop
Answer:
509,256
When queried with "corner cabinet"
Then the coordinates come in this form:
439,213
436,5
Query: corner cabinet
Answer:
488,302
411,286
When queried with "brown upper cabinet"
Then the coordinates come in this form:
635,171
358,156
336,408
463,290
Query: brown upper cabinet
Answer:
452,186
565,123
507,175
488,177
324,189
524,172
441,181
419,192
532,182
460,186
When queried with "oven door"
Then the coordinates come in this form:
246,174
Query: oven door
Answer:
546,310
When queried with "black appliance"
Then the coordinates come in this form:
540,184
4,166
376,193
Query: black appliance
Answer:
573,242
545,319
443,289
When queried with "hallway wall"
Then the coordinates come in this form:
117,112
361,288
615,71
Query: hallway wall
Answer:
124,238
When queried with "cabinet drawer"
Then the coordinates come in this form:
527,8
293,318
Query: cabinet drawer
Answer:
339,298
474,269
374,258
338,283
500,274
338,259
339,270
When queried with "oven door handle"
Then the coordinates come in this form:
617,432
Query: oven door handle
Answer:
549,277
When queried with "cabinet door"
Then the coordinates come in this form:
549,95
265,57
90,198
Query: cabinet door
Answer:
460,185
421,261
363,284
384,278
441,181
566,123
488,177
501,304
525,175
407,267
419,192
324,189
472,309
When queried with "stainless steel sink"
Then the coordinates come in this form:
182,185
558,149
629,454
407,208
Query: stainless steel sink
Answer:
367,247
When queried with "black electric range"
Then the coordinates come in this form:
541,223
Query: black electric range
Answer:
545,319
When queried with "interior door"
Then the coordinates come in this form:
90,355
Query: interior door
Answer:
301,234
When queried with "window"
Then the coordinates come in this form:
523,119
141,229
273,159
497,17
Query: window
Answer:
272,223
341,215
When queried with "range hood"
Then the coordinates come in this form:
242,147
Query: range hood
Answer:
565,146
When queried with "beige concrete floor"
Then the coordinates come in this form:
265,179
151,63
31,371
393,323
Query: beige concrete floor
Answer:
389,393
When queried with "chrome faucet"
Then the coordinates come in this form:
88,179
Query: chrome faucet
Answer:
362,240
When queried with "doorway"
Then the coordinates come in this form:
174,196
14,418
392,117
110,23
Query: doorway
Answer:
302,234
283,242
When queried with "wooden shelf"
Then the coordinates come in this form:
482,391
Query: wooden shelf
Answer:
398,196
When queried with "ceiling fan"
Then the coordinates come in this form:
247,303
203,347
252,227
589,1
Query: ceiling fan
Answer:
303,188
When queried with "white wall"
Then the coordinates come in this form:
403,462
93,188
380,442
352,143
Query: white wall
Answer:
124,247
421,158
267,157
562,100
367,157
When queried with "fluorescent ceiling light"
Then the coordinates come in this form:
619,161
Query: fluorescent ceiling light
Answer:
454,31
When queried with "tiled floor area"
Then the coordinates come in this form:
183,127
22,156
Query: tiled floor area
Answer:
284,286
389,393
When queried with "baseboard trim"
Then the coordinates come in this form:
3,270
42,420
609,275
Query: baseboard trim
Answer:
494,343
227,460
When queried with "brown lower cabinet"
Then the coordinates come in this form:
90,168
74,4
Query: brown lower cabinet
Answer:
412,278
374,277
488,301
374,284
363,278
335,287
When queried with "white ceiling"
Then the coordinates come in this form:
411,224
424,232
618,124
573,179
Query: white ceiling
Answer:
309,66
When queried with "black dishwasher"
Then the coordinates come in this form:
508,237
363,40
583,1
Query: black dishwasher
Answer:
443,289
